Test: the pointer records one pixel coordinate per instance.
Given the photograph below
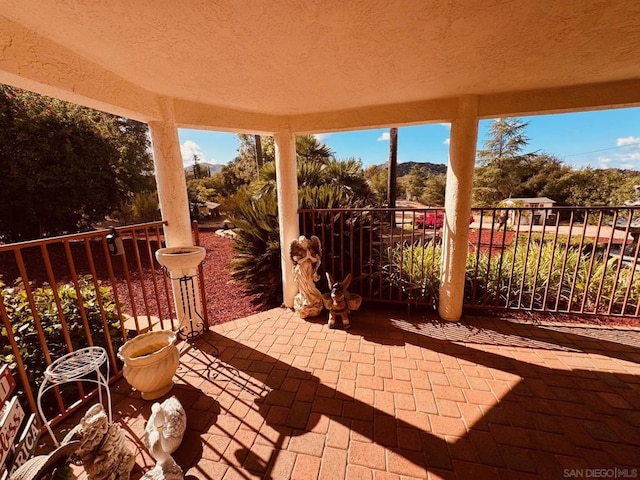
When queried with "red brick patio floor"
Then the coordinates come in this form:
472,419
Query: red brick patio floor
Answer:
392,398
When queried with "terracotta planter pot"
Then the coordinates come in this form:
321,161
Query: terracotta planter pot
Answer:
150,362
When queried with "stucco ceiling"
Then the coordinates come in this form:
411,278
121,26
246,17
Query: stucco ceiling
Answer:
305,57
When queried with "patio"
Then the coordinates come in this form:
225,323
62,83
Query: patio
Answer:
395,398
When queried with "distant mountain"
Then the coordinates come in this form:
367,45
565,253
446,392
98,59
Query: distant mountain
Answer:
431,168
204,167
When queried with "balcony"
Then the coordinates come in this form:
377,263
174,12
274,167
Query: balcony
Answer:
400,394
398,398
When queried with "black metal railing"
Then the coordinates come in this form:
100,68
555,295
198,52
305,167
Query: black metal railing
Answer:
580,261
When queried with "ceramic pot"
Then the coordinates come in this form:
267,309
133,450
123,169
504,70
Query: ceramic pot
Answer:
150,362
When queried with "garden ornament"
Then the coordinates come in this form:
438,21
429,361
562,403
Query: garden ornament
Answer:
166,425
340,302
103,448
162,436
305,254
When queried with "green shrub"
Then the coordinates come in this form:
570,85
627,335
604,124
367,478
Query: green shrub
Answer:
26,334
414,271
528,274
257,247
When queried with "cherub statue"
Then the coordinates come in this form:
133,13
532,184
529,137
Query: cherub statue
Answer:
305,254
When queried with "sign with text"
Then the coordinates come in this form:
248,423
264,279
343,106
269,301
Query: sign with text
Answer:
12,417
27,443
7,384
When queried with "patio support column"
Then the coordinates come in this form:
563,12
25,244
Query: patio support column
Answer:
457,207
170,179
287,191
174,206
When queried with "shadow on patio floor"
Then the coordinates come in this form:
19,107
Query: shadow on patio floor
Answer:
488,398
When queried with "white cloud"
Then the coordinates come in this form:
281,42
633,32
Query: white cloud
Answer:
447,141
384,137
627,141
322,136
190,148
445,125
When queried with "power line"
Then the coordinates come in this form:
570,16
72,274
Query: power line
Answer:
603,149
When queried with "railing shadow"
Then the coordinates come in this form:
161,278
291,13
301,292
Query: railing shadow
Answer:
528,415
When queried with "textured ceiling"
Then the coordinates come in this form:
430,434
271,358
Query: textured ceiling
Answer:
303,57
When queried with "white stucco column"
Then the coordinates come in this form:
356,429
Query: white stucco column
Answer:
170,179
287,186
457,205
174,205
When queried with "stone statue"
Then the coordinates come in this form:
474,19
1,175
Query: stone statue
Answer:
167,424
340,302
162,436
305,254
103,448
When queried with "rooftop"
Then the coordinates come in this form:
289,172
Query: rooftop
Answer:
398,397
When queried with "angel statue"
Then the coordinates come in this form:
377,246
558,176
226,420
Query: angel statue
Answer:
305,254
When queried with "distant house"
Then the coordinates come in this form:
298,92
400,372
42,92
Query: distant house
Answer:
205,209
540,206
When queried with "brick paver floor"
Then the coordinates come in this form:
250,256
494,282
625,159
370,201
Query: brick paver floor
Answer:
285,398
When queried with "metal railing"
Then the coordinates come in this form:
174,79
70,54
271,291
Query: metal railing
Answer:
372,244
581,261
60,294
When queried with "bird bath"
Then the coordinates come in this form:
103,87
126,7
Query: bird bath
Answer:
180,261
181,264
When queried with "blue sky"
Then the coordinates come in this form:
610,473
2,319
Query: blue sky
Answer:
602,139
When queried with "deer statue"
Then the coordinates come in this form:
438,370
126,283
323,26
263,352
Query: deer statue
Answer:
337,301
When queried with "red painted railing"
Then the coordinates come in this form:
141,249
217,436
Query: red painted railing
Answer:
65,293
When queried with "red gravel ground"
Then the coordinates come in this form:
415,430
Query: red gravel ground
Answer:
226,299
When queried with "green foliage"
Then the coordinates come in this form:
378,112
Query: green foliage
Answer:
433,191
415,181
531,273
506,140
199,190
257,264
65,166
528,272
143,207
377,179
414,270
25,331
257,246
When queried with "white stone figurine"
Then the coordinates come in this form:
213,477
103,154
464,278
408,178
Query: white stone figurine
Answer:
103,450
306,255
166,467
165,427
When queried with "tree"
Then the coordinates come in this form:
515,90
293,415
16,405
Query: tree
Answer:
308,147
506,140
327,183
433,191
197,168
393,168
258,144
65,166
377,179
502,166
415,181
